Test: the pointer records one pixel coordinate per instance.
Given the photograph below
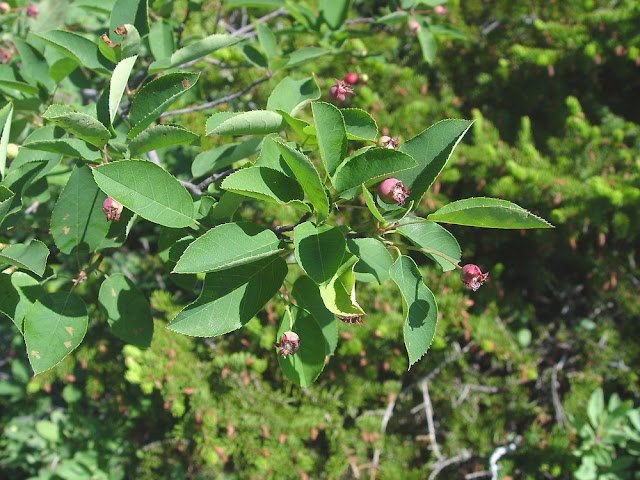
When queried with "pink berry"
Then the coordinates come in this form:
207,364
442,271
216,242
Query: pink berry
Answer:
32,11
473,277
288,344
414,27
112,209
440,10
4,7
351,78
392,191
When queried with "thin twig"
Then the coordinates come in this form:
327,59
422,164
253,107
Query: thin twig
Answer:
555,396
288,228
428,411
198,189
439,466
218,101
388,412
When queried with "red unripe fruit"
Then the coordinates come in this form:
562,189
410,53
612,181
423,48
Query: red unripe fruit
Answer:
392,191
32,11
473,277
414,27
351,78
4,7
112,209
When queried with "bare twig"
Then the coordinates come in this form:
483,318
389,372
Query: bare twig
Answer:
439,466
198,189
499,453
480,474
555,396
428,410
388,412
288,228
218,101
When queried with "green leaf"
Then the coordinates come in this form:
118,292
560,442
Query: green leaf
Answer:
19,296
6,199
319,250
69,147
77,221
255,3
297,126
53,328
223,156
17,180
255,122
307,296
434,238
160,136
370,166
79,124
254,55
308,177
76,47
118,83
334,12
230,298
9,298
133,12
419,307
30,256
161,40
303,367
127,309
359,124
305,55
268,40
447,31
292,95
427,43
130,44
34,66
331,133
374,259
155,97
196,50
595,407
227,246
265,184
6,115
61,68
339,293
489,213
371,204
431,149
20,86
148,190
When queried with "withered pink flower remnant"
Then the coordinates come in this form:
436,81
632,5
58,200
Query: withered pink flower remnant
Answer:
340,90
351,319
392,191
32,11
388,142
112,209
288,344
473,277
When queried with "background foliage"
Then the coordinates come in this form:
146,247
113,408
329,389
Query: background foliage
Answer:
550,87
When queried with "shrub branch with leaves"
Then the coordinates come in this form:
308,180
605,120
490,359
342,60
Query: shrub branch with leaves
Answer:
314,158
